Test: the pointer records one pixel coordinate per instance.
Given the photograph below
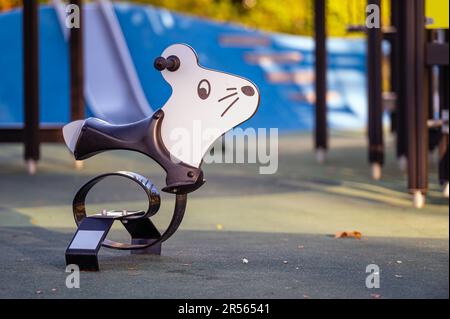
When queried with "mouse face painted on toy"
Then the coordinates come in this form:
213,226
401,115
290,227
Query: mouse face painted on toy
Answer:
204,105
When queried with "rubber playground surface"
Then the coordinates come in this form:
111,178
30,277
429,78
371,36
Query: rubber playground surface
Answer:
282,224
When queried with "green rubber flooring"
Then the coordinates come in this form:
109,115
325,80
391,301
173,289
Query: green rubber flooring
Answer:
283,224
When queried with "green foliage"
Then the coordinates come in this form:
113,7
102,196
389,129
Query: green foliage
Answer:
287,16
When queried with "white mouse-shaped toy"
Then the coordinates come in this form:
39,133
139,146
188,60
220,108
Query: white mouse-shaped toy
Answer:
204,105
208,101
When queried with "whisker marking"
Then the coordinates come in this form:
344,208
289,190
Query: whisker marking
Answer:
232,103
228,96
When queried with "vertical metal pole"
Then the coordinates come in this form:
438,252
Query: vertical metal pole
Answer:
408,75
393,60
31,82
398,10
76,69
444,143
321,127
421,89
434,133
375,102
416,80
77,110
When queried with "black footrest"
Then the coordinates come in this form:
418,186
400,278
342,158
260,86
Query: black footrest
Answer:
85,244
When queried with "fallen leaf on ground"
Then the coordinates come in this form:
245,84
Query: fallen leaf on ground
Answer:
134,273
349,234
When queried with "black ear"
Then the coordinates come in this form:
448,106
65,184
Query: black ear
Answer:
172,63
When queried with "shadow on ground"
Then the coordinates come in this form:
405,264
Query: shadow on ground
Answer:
199,264
281,223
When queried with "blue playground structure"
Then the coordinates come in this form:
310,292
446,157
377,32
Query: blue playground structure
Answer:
122,86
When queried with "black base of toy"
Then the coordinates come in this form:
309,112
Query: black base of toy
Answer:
92,231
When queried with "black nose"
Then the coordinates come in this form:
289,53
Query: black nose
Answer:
248,90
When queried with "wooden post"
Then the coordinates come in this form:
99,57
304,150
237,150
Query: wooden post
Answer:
375,97
31,82
321,126
76,69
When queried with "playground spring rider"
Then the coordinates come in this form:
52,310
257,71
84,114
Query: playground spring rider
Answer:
202,101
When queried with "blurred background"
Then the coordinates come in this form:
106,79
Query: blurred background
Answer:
289,16
269,42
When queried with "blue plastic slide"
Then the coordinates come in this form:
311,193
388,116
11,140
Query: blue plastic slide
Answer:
112,88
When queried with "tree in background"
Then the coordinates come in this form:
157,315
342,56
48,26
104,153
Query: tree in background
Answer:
286,16
8,4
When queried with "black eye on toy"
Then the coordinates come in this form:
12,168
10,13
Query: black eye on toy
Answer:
203,89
